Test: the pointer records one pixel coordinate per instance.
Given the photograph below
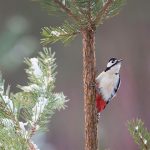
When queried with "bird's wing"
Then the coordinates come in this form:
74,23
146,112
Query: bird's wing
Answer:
117,86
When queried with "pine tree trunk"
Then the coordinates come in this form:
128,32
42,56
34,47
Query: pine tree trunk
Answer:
89,73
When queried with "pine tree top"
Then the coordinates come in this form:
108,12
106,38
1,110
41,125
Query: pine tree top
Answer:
79,16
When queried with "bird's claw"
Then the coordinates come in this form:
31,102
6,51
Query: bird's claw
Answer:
98,117
93,84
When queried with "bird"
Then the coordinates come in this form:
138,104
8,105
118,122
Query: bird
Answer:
107,84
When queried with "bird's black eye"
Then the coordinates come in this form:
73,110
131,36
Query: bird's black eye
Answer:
112,60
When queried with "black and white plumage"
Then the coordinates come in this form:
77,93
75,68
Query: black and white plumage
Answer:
108,83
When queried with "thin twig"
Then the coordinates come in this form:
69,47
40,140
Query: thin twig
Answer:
67,10
103,11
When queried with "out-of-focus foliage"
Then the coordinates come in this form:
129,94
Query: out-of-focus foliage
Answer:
26,112
140,134
15,44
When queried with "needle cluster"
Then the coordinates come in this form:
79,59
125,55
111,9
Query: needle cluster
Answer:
140,134
79,15
24,113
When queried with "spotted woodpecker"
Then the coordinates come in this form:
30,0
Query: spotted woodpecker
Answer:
107,84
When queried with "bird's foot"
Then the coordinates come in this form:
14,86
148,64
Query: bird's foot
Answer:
98,117
93,84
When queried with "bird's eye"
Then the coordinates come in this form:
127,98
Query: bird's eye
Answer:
113,61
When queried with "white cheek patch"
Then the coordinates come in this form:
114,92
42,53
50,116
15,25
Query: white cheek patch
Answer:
109,64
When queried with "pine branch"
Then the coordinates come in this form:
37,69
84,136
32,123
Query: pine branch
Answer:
115,8
89,11
24,113
103,11
56,5
11,132
67,10
41,74
83,12
65,34
140,134
109,9
86,13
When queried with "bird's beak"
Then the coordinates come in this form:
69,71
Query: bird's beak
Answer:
120,60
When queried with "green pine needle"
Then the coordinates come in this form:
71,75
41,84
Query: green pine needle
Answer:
83,14
140,134
28,111
65,34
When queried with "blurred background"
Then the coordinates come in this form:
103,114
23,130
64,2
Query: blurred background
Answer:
125,36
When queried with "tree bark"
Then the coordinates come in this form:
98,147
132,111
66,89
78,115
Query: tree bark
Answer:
89,74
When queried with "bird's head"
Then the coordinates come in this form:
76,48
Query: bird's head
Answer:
113,65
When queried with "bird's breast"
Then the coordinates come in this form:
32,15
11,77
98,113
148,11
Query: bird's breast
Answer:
107,84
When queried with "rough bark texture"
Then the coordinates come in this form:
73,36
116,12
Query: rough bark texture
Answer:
89,72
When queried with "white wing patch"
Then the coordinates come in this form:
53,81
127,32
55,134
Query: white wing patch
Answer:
109,84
